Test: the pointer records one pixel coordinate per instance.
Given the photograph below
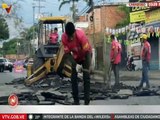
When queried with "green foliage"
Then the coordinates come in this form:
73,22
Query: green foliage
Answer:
64,2
4,32
1,52
126,20
10,47
29,34
73,8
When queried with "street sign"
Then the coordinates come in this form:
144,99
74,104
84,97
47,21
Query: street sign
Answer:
152,16
137,16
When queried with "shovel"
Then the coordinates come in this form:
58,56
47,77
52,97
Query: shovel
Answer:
109,76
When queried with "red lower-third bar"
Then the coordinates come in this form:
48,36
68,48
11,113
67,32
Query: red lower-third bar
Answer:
13,116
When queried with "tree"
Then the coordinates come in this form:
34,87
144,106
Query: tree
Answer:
73,8
26,36
10,47
126,20
14,11
4,32
29,33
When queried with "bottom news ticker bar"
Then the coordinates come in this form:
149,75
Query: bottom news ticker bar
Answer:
79,116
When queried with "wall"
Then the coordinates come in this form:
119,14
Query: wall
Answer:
81,19
111,15
14,56
104,16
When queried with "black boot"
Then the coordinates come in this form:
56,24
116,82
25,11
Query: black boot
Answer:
87,92
86,102
76,102
140,86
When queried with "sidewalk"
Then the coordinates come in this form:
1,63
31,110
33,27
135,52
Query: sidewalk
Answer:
127,76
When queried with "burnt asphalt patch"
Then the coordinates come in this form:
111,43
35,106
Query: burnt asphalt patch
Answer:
58,91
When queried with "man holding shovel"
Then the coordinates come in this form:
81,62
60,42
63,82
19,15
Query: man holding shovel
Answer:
115,58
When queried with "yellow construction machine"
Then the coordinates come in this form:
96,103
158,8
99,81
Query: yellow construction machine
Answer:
47,58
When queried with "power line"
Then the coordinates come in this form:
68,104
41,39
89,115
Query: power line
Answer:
35,6
39,5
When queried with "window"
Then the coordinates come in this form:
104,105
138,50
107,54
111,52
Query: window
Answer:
1,60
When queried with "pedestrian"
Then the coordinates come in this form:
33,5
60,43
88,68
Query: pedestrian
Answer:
115,58
78,50
146,56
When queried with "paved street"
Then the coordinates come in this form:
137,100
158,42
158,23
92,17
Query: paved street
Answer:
133,78
7,77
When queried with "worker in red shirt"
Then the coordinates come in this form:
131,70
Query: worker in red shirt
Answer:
146,56
78,49
115,58
53,36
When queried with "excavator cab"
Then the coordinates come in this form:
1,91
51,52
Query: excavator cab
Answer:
45,58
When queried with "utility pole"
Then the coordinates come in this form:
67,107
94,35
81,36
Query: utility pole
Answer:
104,43
33,13
39,5
91,3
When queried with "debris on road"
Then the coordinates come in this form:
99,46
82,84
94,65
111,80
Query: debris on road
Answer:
59,91
125,92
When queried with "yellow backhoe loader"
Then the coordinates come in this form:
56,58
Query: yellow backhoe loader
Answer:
47,58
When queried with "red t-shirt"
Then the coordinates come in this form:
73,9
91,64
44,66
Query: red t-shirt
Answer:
53,38
147,46
79,46
115,46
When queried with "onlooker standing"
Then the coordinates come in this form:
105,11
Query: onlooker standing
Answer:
146,56
115,58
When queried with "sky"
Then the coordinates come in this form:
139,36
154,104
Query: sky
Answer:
50,7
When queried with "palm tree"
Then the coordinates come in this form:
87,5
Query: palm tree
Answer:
73,8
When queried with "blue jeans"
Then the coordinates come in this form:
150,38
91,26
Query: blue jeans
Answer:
145,67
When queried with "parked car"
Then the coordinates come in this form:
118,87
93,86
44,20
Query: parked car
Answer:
8,64
2,65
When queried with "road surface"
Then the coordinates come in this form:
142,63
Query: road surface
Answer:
6,90
6,77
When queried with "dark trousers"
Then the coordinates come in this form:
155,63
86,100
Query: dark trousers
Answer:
86,77
115,68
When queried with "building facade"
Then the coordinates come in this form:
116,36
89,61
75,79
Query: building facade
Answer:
101,17
149,22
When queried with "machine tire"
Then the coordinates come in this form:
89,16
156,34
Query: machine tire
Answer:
38,62
1,69
10,70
